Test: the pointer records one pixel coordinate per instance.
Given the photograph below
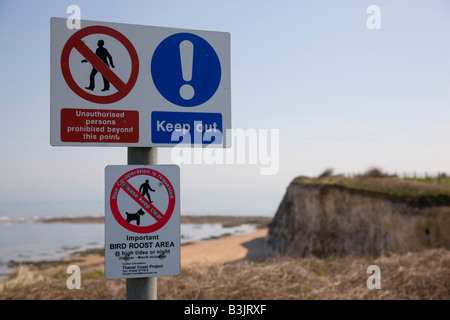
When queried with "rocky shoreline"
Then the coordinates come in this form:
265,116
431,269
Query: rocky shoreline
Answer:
227,221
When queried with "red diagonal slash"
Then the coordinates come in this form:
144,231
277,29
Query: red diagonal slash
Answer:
152,210
98,64
133,193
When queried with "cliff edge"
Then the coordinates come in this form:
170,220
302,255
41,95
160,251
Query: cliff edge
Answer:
336,216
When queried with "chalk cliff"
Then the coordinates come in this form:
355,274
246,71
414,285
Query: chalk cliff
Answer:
321,220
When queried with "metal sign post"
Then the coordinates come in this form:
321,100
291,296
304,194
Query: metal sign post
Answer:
142,288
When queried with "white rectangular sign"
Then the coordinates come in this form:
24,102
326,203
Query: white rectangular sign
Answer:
142,221
114,84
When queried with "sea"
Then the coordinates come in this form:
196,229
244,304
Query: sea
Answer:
24,238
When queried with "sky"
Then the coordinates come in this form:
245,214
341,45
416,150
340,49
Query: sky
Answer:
335,94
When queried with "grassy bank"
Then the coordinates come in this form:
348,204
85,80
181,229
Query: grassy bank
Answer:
423,192
417,275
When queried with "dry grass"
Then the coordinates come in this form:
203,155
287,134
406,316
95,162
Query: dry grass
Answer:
415,275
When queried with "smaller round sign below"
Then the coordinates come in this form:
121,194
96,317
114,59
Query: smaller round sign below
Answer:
134,187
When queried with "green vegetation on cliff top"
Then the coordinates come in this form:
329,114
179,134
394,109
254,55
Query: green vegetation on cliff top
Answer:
427,191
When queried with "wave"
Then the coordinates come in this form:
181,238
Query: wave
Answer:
8,220
5,220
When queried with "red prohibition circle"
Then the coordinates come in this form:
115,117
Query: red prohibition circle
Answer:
115,208
75,42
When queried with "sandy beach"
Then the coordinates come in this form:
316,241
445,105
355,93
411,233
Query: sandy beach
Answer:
219,251
249,246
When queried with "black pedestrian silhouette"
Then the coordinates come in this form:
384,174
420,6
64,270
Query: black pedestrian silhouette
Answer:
144,188
104,55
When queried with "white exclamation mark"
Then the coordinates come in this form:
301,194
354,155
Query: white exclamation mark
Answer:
187,57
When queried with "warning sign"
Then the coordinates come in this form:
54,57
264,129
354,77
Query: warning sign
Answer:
177,82
142,221
101,60
91,125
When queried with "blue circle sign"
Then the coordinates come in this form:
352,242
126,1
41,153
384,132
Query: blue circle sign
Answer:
186,69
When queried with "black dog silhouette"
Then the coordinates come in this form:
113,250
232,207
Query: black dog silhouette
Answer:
135,216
